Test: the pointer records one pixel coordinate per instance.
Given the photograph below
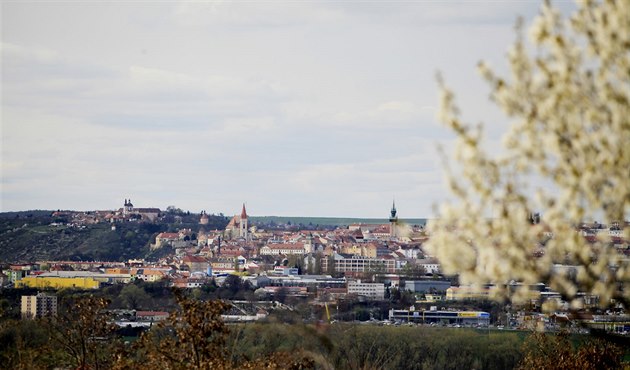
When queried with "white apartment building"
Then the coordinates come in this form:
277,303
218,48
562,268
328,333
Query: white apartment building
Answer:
374,291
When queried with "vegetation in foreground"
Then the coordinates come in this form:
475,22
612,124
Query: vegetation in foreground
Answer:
195,337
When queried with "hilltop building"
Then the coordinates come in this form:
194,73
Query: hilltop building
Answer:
129,211
204,218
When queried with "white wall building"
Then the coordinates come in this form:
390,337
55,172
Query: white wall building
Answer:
284,249
375,291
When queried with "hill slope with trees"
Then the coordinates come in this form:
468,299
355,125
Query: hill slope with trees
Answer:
37,235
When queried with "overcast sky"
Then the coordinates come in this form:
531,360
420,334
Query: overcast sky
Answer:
296,108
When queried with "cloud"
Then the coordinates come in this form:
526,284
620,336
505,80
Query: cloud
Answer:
252,14
302,108
137,97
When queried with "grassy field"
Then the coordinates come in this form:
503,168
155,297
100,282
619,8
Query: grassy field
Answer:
352,346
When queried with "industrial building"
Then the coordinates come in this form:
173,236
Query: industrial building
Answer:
464,318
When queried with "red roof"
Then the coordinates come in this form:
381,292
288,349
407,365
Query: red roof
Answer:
194,259
243,213
168,236
151,313
286,246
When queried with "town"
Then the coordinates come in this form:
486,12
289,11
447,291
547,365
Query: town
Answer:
370,272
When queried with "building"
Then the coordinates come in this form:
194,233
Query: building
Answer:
282,249
285,270
149,274
18,271
373,291
166,239
393,221
430,265
467,293
151,315
427,286
369,250
39,305
196,263
4,279
72,279
243,226
238,227
149,214
465,318
56,282
359,264
204,218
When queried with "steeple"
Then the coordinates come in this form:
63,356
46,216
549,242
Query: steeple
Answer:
127,207
393,221
393,212
244,227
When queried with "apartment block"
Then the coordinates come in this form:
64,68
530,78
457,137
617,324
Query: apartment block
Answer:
39,305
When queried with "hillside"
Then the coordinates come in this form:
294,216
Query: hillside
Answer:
36,235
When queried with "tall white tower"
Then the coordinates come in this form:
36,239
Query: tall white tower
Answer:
244,229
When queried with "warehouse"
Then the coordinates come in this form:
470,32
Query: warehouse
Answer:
464,318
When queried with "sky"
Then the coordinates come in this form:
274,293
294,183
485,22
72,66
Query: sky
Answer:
296,108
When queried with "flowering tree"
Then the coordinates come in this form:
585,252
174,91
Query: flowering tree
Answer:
568,102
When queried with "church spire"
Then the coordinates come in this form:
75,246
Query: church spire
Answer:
243,226
243,212
393,221
393,212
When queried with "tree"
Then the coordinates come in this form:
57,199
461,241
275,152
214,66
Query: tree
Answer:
401,298
83,333
374,270
134,297
24,344
317,267
281,295
555,351
413,270
194,337
569,102
234,287
174,210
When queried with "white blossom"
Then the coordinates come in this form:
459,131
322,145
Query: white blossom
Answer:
569,106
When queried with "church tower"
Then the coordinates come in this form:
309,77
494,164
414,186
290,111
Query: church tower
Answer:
393,220
127,207
203,220
244,229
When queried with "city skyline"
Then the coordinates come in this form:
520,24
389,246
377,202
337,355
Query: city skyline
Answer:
298,109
